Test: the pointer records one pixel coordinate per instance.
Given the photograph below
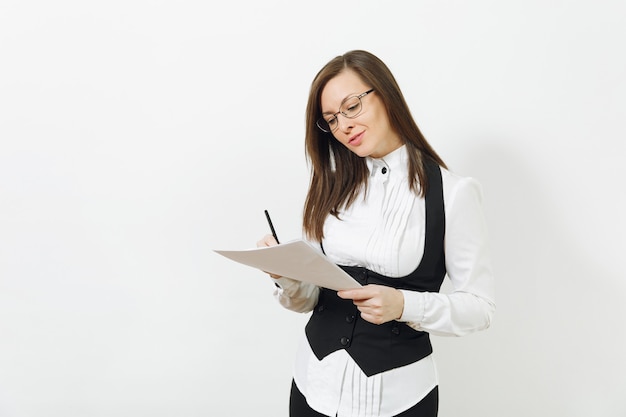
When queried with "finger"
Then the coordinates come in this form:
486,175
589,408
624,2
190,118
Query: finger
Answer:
268,240
348,294
374,319
363,303
273,275
362,293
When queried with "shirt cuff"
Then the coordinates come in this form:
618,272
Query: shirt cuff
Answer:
414,306
286,286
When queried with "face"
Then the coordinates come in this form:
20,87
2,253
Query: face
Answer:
369,133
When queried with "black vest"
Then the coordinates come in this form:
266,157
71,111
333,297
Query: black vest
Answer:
336,324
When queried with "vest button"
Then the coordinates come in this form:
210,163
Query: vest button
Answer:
344,341
349,319
395,330
384,170
320,308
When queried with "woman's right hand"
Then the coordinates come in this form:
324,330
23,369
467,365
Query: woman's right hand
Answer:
268,240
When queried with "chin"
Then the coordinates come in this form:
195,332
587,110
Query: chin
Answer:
362,152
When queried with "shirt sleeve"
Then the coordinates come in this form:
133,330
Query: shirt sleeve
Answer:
296,295
471,304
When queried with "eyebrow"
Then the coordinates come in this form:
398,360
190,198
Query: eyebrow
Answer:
340,104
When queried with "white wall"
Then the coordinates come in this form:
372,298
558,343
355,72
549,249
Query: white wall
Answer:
135,137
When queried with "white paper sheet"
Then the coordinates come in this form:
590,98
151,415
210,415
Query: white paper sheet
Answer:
297,260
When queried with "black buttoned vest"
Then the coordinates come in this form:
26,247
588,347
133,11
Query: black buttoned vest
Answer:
336,324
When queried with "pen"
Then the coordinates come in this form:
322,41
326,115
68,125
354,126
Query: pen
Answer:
267,215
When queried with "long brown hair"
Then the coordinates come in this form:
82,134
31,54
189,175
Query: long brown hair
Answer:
337,174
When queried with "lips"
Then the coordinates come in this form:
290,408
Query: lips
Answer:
356,139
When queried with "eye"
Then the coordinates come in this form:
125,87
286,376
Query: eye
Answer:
331,120
351,107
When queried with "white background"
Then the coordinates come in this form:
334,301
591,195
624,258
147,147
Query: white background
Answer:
137,136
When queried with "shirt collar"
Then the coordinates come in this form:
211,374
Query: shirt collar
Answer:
395,160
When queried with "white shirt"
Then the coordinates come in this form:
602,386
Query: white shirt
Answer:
384,231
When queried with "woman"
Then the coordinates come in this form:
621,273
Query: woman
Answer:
380,203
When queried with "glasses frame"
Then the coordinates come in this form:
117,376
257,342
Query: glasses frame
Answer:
322,120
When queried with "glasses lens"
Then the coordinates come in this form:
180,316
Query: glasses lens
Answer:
327,125
351,107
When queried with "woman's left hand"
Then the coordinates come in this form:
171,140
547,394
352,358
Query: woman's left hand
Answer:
378,304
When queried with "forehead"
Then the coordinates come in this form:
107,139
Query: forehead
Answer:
343,85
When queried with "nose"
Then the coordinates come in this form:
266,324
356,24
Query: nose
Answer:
345,124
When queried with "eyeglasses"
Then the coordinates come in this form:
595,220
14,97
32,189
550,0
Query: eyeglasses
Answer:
350,108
